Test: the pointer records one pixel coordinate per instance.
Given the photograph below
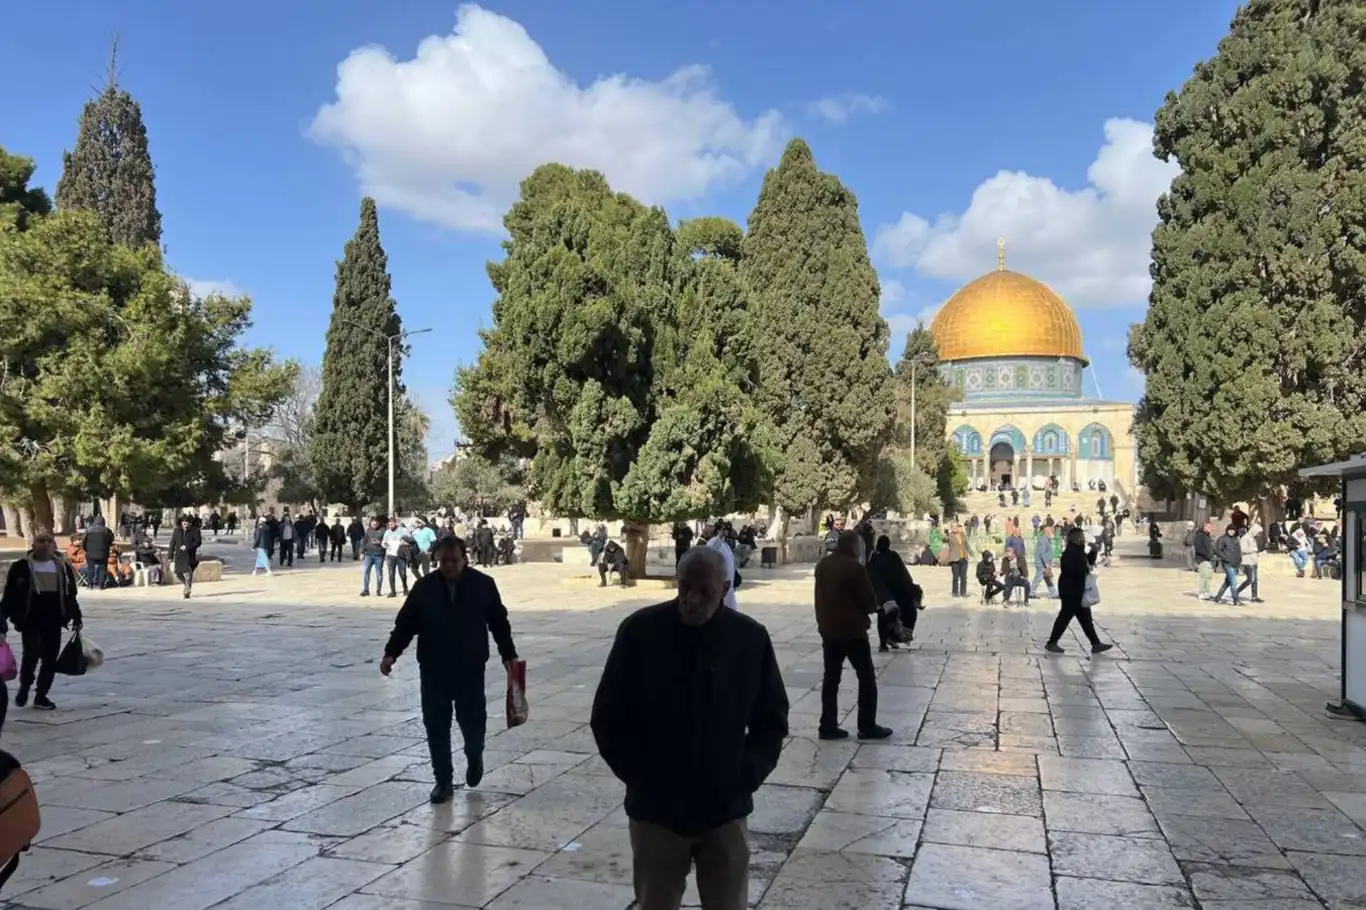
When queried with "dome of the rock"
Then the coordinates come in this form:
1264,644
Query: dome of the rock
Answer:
1006,314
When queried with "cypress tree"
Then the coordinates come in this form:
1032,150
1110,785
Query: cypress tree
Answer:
823,350
1252,343
110,170
349,449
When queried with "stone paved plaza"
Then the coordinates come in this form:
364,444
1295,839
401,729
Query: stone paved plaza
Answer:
242,751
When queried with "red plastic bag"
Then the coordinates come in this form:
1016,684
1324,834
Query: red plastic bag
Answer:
517,708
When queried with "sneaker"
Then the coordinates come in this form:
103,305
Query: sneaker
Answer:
442,793
1054,648
876,731
833,733
1258,600
393,594
43,703
21,698
474,770
364,593
1101,648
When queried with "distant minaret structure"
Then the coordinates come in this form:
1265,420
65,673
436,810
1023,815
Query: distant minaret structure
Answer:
1000,254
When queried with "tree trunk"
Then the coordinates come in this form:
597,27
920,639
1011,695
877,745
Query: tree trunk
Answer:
63,514
42,510
14,525
1270,507
784,525
772,521
27,522
636,535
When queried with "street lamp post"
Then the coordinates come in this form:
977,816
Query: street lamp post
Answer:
389,342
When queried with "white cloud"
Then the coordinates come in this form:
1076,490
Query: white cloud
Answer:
447,135
1092,245
902,310
839,108
203,288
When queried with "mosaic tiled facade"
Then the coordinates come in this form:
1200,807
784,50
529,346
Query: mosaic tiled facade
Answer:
1015,377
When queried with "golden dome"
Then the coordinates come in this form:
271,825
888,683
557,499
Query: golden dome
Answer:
1006,314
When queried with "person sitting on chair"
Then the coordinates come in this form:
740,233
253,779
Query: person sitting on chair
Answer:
986,577
613,559
1012,571
146,553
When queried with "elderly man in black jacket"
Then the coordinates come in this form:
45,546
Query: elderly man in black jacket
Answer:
691,715
451,612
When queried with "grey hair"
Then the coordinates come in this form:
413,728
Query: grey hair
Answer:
713,560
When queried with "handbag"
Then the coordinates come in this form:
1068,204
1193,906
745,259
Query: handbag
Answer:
19,815
1090,594
517,708
9,669
72,661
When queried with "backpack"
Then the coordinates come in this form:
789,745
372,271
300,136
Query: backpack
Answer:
19,818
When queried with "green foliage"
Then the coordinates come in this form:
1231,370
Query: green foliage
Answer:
951,480
412,491
919,366
904,486
1252,345
823,358
349,446
19,202
110,173
620,359
475,483
114,380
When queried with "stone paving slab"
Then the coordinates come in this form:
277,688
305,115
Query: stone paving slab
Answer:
240,750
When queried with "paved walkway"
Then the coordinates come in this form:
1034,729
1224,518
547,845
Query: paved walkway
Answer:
241,751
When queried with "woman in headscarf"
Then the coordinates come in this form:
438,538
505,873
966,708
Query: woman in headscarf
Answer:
1077,562
262,542
893,585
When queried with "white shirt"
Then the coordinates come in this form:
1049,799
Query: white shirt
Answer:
718,543
393,539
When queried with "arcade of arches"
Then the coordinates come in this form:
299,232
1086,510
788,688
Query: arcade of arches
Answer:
1013,349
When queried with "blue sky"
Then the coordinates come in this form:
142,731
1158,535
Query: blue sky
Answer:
954,123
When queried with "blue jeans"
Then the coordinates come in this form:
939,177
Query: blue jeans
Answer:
1251,580
1230,583
376,563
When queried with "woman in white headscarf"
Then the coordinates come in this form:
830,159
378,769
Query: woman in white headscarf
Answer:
718,543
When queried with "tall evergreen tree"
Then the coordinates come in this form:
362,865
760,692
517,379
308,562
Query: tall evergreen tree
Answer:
619,360
349,449
1253,346
823,359
110,170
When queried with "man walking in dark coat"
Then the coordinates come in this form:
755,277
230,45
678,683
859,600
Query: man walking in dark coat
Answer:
186,540
691,715
452,612
39,599
844,602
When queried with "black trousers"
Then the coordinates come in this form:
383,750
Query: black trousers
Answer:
42,638
991,589
1069,609
397,564
355,551
458,693
860,656
186,580
960,576
337,550
323,546
286,552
